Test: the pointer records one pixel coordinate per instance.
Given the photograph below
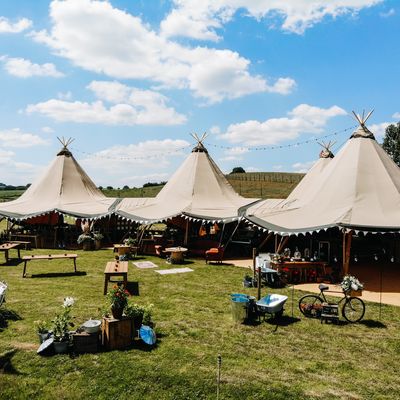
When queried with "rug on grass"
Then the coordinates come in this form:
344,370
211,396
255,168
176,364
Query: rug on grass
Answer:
173,271
145,264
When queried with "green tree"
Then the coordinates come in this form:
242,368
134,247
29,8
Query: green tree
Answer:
238,170
126,187
391,142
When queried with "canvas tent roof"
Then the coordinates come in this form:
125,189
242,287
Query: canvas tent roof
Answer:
198,189
358,189
64,187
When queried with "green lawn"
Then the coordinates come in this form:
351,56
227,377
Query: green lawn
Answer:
297,359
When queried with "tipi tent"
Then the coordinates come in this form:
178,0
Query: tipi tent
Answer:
305,188
198,190
64,188
359,189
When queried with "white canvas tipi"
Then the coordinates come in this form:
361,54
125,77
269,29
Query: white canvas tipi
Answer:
198,189
65,188
359,189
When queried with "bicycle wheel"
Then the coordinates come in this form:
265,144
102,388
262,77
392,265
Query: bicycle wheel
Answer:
310,306
353,309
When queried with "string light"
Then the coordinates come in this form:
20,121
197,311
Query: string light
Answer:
283,146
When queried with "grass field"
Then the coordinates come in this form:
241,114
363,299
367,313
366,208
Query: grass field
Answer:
252,184
295,359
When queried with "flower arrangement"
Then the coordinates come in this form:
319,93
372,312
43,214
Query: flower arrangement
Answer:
63,321
84,237
350,282
118,297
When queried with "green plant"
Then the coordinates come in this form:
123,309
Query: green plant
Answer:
84,238
130,241
41,326
98,236
134,310
63,321
248,278
118,297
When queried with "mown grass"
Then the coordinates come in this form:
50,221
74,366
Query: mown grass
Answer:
296,359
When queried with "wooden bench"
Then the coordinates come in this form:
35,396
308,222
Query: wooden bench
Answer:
22,242
48,257
6,247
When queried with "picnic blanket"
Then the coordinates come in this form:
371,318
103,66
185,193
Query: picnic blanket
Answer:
145,264
173,271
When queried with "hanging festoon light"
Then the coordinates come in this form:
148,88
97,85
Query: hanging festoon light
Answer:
355,258
376,257
392,259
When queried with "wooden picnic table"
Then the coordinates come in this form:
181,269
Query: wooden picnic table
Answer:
48,257
6,247
115,268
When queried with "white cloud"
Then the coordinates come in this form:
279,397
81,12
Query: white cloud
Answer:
9,27
215,130
379,129
396,115
64,95
252,169
131,106
235,153
277,167
388,13
302,167
15,172
123,164
302,119
23,68
16,138
201,19
47,129
120,45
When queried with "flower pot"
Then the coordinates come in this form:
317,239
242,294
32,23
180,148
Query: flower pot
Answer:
97,244
60,347
117,312
43,336
356,293
87,245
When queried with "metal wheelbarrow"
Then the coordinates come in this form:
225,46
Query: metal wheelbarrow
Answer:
271,304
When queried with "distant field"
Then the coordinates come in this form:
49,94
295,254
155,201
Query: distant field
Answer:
251,184
7,195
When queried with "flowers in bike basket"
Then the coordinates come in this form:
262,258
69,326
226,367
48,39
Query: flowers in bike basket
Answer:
350,282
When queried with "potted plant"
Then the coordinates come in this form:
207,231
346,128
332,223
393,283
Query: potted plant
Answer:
61,324
139,314
118,299
42,330
86,241
98,237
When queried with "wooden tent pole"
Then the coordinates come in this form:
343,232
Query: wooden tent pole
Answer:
276,243
347,236
186,232
282,244
264,242
254,261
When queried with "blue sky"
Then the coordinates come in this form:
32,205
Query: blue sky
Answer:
130,80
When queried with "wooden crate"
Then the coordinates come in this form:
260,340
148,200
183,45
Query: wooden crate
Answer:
84,342
117,333
330,312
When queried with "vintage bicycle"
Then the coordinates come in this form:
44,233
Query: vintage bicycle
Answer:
353,308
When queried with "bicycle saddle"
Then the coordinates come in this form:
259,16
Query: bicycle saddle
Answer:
323,287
